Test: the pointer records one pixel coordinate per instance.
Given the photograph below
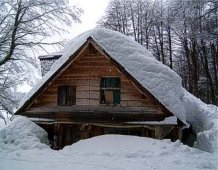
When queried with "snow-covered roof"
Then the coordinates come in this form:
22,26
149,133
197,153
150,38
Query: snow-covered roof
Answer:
172,120
51,55
158,79
35,119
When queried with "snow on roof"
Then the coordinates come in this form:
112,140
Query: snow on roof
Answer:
172,120
51,55
157,78
35,119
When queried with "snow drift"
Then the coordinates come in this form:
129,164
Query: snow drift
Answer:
22,146
112,152
204,120
157,78
131,152
22,134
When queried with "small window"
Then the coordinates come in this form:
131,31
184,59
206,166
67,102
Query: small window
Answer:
66,95
110,90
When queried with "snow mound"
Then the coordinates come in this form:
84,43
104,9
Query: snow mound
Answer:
113,152
204,120
132,152
22,134
114,144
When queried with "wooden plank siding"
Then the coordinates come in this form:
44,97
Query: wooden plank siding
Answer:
85,73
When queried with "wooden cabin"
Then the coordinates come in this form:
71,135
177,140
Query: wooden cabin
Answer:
91,94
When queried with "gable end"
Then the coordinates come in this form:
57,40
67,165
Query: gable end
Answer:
70,60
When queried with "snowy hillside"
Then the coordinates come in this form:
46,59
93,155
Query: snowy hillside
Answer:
103,152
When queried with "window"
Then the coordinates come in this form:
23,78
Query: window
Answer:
66,95
110,90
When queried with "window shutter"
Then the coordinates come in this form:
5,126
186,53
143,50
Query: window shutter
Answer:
71,96
103,82
116,96
62,93
116,82
66,95
110,82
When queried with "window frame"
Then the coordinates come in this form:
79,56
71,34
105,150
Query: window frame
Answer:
114,89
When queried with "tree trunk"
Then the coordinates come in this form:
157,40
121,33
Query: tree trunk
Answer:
170,46
195,76
214,53
207,72
133,22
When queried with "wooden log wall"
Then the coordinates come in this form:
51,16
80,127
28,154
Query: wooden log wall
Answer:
85,73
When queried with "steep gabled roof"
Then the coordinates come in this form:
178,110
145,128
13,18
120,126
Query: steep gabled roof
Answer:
157,80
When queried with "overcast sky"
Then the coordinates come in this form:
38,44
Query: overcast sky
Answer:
93,11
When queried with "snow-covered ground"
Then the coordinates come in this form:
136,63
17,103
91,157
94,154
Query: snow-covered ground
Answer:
22,148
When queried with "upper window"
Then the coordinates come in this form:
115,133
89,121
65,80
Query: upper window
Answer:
110,90
66,95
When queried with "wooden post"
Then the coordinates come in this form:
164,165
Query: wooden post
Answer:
179,133
60,136
56,136
157,132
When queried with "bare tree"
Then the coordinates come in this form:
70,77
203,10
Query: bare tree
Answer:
24,27
26,23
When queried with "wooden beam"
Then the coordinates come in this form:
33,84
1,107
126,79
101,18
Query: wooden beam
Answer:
98,117
97,109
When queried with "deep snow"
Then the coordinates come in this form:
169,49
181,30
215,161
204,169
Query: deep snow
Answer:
204,120
22,134
103,152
